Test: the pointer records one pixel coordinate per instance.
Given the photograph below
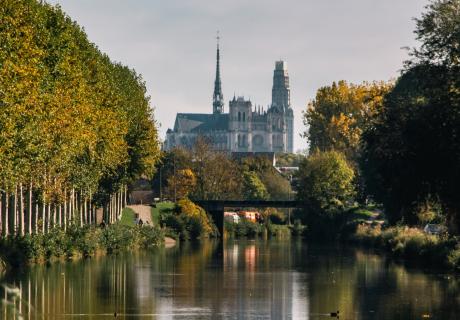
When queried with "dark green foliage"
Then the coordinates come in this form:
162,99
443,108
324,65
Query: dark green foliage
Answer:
439,32
14,251
411,151
253,188
246,228
277,186
116,237
278,231
17,251
148,236
276,217
298,229
289,159
325,184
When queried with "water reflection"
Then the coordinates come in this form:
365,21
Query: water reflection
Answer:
238,280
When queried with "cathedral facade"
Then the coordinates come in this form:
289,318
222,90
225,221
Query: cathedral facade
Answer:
245,128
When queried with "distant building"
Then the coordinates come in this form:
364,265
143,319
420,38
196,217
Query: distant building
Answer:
232,217
250,215
245,128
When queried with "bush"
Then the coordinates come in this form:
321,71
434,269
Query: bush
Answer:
189,221
277,217
454,258
247,228
148,236
297,229
19,250
115,237
278,231
411,243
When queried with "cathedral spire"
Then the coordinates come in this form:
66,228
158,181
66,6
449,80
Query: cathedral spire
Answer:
218,97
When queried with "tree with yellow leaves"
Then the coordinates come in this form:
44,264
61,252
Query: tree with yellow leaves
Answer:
337,116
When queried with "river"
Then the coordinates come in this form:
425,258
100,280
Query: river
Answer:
237,280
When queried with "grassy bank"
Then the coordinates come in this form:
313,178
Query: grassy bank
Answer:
412,244
76,242
160,209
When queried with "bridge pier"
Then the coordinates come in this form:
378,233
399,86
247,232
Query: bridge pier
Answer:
218,218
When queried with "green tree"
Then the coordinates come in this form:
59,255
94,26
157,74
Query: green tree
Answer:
438,30
253,188
325,182
411,152
277,186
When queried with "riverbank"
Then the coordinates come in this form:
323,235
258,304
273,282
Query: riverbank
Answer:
411,244
76,242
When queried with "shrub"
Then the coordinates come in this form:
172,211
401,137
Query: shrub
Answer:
115,237
246,228
411,243
297,229
148,236
454,258
19,250
189,221
279,231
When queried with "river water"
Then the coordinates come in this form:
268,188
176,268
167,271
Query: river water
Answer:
236,280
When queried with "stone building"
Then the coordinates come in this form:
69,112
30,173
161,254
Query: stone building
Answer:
245,128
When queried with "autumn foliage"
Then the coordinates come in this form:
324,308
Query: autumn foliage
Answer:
73,123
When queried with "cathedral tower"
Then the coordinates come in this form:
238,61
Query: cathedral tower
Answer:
281,100
218,97
280,91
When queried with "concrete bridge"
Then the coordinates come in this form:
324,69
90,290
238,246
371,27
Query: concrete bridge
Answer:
216,208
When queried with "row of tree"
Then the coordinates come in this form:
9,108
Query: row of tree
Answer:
75,127
201,173
401,140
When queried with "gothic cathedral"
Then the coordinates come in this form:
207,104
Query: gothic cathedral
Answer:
246,128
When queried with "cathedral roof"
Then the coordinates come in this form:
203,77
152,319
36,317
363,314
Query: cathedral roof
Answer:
200,122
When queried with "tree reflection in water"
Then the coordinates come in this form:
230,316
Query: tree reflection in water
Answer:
241,279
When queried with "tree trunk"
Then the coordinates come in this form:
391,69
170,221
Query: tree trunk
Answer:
65,208
15,210
60,214
37,210
72,209
126,195
2,221
48,216
30,207
7,227
80,207
21,208
90,209
43,213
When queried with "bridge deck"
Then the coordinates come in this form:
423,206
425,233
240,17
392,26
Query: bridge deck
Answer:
220,204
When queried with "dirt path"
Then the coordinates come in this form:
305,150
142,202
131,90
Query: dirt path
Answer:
143,211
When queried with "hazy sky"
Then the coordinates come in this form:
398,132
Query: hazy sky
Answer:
172,44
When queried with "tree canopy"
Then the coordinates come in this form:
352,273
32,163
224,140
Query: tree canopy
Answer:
337,116
411,151
325,182
70,117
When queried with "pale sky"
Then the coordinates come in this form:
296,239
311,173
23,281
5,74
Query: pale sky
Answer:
172,44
